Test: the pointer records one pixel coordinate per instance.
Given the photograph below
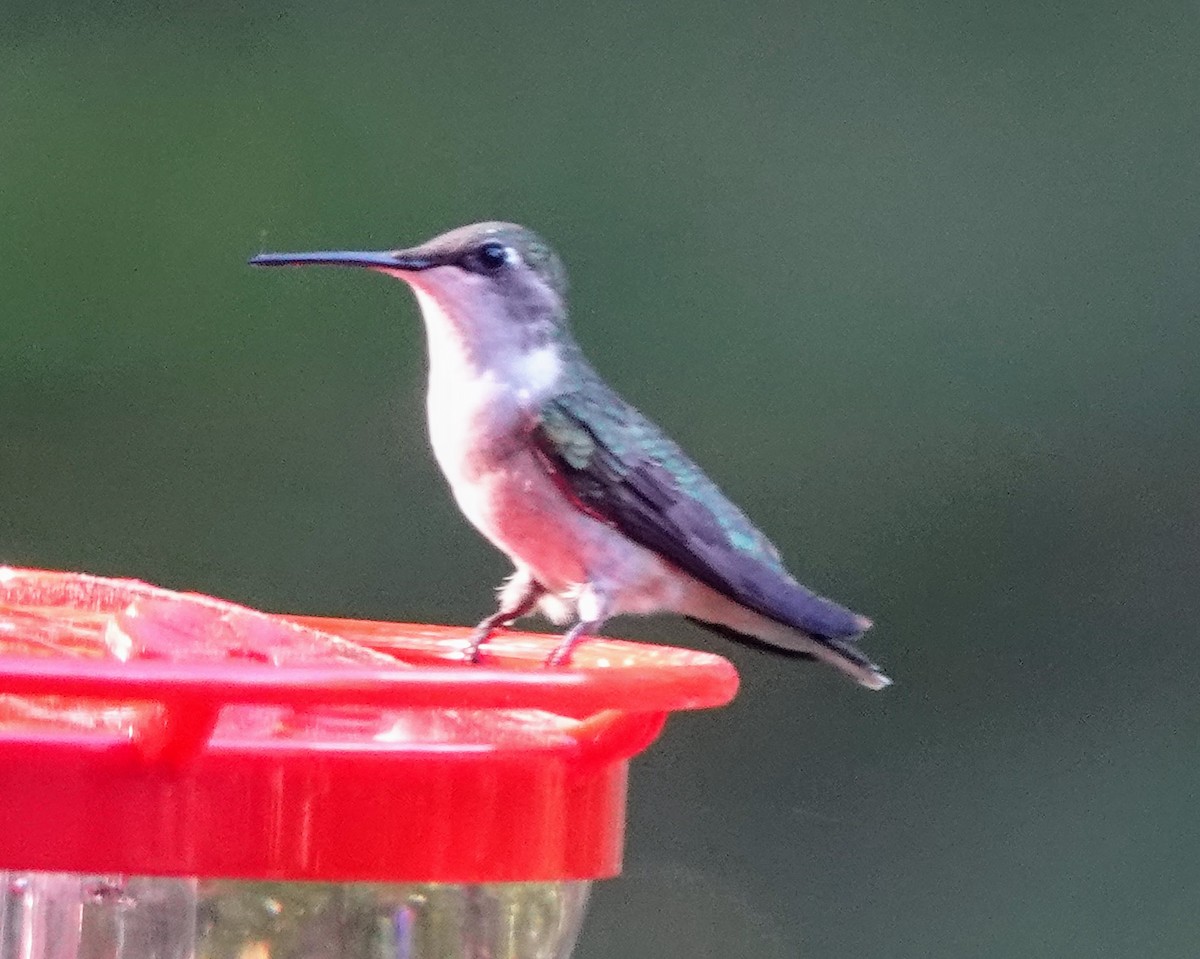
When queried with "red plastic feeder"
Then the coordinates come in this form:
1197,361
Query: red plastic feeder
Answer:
267,768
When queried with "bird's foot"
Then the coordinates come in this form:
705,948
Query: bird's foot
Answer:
474,651
561,656
562,652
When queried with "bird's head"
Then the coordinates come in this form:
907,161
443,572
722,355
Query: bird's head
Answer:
493,284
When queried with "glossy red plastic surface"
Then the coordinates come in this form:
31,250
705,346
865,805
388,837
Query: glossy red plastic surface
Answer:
152,732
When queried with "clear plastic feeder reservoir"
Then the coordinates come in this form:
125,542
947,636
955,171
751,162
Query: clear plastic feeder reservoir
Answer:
182,777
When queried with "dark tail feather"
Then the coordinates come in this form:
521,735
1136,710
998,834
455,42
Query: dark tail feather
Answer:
842,653
747,640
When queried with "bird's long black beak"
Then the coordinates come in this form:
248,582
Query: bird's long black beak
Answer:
386,260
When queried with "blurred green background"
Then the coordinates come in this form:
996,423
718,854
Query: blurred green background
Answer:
917,283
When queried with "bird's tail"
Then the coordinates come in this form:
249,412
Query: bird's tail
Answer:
846,656
840,653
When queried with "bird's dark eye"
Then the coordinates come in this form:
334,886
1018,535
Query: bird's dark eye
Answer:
490,257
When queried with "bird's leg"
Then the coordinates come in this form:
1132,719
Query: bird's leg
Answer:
518,596
593,611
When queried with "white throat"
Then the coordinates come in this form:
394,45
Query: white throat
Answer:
459,354
480,394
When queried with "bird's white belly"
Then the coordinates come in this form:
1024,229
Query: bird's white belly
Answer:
479,421
516,503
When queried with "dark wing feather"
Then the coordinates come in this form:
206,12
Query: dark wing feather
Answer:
621,468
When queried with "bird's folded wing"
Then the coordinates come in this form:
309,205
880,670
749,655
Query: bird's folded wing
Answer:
620,468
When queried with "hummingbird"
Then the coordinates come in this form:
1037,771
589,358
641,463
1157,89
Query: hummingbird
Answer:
599,511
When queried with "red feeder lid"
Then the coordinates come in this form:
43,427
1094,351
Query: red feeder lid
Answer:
151,732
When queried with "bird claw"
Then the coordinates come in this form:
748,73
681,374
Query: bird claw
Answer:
474,650
560,657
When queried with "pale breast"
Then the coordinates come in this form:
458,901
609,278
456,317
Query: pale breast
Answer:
482,402
480,405
480,439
